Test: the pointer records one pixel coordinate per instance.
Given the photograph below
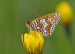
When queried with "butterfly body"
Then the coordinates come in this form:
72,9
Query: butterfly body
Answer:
44,24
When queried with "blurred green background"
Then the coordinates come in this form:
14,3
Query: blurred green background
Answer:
14,13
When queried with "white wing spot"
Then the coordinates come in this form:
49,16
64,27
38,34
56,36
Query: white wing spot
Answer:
34,25
38,27
52,29
57,15
52,21
45,24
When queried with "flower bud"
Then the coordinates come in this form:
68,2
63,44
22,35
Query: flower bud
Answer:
33,42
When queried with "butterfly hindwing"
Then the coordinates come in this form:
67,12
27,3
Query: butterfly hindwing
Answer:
45,24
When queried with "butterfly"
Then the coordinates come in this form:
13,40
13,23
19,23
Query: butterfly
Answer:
44,24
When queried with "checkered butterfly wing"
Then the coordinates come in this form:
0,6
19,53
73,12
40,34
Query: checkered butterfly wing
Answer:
44,24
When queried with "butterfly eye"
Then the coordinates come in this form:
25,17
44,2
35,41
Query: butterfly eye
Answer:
28,22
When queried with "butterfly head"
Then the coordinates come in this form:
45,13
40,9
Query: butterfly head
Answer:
28,24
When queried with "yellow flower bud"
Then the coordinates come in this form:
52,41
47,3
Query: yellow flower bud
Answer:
66,12
33,42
